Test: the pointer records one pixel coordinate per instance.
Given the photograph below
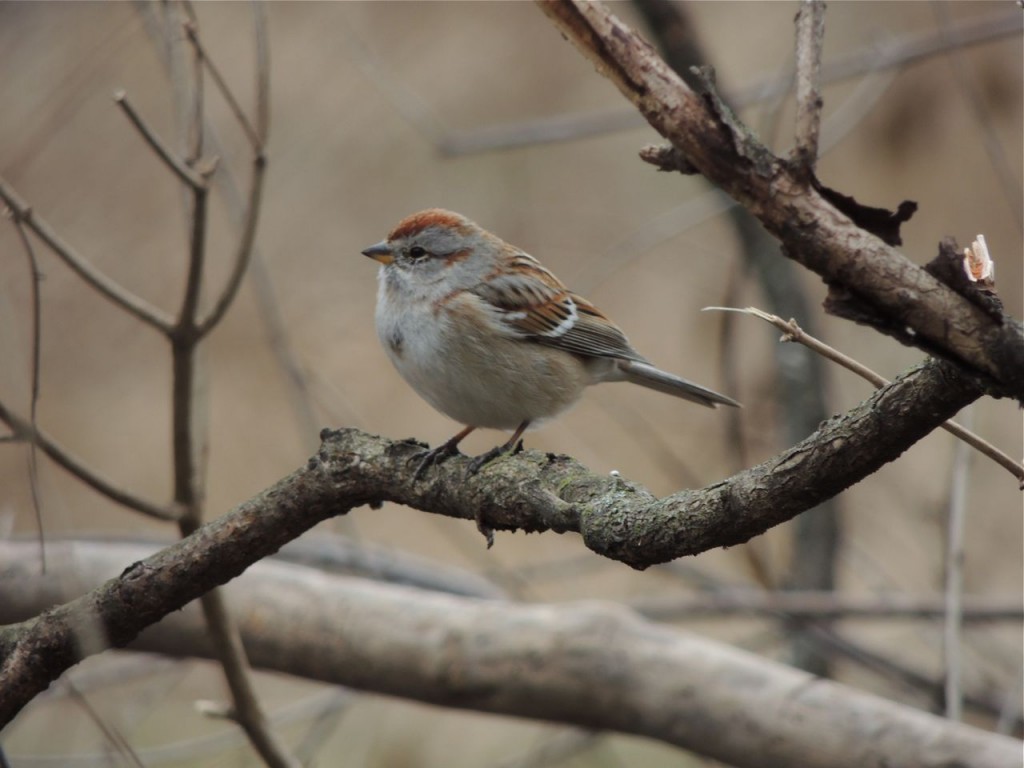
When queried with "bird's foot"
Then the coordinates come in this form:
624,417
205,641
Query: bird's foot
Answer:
481,461
434,457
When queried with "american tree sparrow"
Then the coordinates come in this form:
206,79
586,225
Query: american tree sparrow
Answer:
490,338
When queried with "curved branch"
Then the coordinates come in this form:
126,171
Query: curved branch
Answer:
590,664
115,292
813,231
625,522
23,430
531,491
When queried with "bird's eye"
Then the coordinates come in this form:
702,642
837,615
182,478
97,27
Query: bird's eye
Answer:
417,252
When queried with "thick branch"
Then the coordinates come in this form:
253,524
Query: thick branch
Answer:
531,491
813,231
589,664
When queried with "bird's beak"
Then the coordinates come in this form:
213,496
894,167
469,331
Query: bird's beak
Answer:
380,252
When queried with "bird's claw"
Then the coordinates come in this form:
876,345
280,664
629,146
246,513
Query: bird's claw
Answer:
481,461
433,457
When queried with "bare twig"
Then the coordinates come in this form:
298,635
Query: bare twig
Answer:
243,253
952,648
255,137
180,169
262,129
194,117
258,138
109,731
35,277
247,711
119,295
23,430
794,332
1001,165
810,32
191,427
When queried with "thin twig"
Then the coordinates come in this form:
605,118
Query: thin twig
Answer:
952,648
810,32
194,116
247,710
118,294
245,707
969,89
23,430
180,169
191,426
254,137
259,11
243,255
793,332
112,734
35,277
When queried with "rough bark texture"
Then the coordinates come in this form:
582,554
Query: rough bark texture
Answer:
591,664
530,491
813,230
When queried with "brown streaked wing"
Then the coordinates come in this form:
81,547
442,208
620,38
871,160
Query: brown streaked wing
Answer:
531,301
594,335
536,306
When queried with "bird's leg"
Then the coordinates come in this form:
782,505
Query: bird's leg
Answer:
478,463
483,459
439,454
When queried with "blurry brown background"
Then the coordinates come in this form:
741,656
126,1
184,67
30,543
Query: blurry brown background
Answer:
362,94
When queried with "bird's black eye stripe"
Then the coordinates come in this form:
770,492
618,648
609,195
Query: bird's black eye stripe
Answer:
417,252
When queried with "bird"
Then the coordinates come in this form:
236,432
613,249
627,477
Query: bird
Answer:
492,339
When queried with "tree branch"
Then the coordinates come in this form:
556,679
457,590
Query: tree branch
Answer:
590,664
116,293
810,31
530,491
23,430
184,173
793,332
813,231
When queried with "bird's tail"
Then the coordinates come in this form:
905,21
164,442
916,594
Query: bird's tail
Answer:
648,376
